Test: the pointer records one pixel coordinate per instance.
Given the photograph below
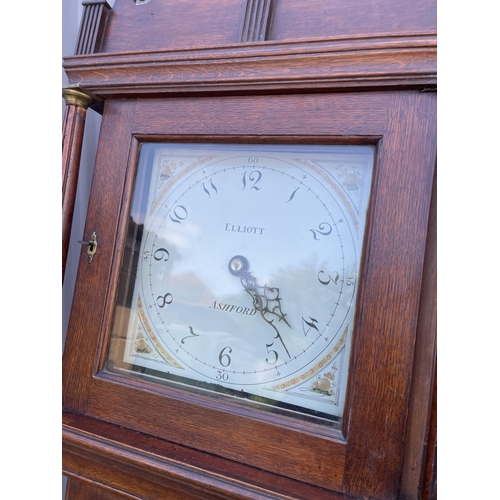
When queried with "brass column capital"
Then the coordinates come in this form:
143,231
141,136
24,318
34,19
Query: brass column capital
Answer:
78,96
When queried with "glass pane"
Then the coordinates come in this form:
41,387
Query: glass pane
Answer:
240,273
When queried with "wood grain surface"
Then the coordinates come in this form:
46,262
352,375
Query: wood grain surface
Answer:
72,140
344,72
368,459
160,25
362,62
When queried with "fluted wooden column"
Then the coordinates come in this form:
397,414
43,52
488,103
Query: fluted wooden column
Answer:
77,102
258,19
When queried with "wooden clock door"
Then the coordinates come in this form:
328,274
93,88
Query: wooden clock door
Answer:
258,74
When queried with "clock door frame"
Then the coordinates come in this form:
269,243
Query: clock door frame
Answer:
365,459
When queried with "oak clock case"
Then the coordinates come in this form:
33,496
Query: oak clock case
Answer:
232,246
240,274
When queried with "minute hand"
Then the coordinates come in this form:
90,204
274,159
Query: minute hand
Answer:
265,299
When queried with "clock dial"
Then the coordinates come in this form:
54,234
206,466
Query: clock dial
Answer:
246,271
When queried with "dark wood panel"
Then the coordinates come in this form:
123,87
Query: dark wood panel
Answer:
223,430
383,355
297,115
299,19
429,482
149,468
160,25
422,404
88,304
78,489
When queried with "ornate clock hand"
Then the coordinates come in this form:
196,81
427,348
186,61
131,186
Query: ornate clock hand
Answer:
266,299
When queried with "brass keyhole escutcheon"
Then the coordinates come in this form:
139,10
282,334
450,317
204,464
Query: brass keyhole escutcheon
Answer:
92,246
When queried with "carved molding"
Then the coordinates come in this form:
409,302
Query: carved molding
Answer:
357,63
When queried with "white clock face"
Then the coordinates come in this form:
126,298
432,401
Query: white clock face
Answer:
247,270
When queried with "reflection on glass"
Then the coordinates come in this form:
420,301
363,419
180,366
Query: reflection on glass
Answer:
240,273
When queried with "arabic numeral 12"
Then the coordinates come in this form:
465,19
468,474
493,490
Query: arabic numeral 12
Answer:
253,177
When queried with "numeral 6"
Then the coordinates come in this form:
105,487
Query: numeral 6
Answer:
224,358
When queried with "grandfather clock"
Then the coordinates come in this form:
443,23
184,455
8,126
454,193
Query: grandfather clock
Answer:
254,310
